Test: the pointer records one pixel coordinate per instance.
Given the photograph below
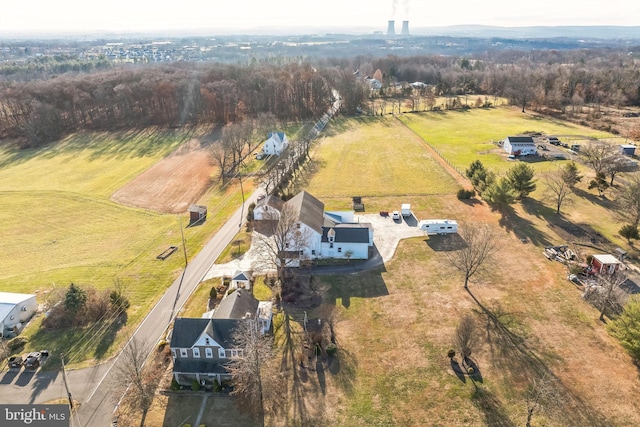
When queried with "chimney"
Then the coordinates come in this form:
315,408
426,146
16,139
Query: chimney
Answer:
391,29
405,28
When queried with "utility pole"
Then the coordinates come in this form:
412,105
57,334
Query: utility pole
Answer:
66,386
242,208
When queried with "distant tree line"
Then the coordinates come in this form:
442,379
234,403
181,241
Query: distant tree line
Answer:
546,79
38,111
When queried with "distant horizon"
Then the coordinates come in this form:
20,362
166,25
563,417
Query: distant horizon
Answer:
284,16
457,30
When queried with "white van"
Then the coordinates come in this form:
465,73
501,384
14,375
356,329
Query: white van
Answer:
438,226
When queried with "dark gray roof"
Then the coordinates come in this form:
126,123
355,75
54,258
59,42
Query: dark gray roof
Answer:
348,233
308,209
192,366
272,201
186,331
520,139
236,305
241,275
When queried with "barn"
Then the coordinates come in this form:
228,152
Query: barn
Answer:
197,213
520,146
15,310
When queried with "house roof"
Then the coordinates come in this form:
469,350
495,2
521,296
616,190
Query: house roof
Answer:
241,275
277,136
607,259
8,300
348,233
308,210
236,305
520,139
198,208
186,331
193,366
272,201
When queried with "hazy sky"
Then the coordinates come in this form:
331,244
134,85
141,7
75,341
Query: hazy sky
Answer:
145,15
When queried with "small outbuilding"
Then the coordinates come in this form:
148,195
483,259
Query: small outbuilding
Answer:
241,280
627,149
520,146
605,263
15,311
197,213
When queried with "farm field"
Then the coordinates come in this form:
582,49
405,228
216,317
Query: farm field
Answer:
395,325
63,228
375,157
465,135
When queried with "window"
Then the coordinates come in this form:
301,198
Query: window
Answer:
183,352
286,245
221,353
313,252
298,225
207,342
208,353
339,250
233,353
173,352
24,308
330,245
196,353
301,253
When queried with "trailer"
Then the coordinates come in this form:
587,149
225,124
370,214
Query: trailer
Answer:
438,226
406,209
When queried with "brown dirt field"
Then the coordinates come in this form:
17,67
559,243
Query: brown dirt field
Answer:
172,184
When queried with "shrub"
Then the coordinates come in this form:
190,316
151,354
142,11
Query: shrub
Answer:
195,385
216,386
213,294
16,343
174,385
332,349
451,354
464,194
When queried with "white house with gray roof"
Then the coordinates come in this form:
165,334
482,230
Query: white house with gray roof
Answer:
520,146
328,234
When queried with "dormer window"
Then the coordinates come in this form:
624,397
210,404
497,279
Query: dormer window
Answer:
298,225
331,235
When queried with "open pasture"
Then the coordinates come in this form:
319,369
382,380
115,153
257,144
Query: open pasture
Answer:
375,157
466,135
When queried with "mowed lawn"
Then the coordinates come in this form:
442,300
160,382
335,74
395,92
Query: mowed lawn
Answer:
60,227
466,135
376,157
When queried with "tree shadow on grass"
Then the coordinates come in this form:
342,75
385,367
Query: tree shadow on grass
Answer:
447,243
524,229
511,353
108,336
495,414
343,368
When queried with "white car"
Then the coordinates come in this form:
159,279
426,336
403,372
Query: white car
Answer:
395,215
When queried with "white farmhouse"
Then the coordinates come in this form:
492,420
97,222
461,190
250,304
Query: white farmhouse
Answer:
275,144
520,146
327,234
15,310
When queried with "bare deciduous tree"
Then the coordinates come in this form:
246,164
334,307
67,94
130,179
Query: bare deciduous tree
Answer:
601,157
479,242
558,188
606,294
139,379
541,394
256,378
628,200
279,240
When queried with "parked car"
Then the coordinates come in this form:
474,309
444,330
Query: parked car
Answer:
261,197
15,362
33,360
395,215
553,140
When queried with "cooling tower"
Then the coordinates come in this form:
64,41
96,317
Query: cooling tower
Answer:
391,29
405,28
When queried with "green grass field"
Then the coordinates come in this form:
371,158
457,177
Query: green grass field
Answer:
61,227
375,157
466,135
